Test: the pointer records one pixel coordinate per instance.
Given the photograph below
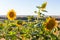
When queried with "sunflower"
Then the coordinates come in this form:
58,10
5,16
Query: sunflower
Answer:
19,23
43,6
51,23
11,15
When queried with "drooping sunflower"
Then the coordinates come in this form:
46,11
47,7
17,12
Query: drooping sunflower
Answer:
51,23
11,15
43,6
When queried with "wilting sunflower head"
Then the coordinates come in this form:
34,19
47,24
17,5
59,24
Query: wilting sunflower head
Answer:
51,23
19,23
43,6
11,15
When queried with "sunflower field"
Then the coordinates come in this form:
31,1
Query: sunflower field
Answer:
37,29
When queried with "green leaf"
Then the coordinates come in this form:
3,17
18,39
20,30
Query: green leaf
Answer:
14,38
54,37
12,33
44,10
38,7
35,11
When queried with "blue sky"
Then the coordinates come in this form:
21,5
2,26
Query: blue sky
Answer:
27,7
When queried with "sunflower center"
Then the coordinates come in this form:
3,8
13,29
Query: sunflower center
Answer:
11,14
50,25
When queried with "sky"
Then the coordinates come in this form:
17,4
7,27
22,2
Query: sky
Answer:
27,7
